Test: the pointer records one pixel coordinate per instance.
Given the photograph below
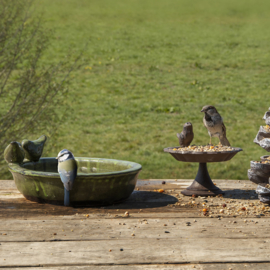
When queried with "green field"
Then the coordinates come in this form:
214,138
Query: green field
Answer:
150,66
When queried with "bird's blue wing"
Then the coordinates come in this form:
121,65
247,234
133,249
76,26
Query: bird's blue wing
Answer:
68,178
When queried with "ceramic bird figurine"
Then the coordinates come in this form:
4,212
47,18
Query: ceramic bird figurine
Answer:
67,168
33,149
186,136
214,123
14,153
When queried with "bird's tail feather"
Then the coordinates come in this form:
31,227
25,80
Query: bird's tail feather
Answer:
224,141
66,197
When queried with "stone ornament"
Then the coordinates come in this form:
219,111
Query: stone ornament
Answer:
33,149
263,135
259,171
14,153
27,151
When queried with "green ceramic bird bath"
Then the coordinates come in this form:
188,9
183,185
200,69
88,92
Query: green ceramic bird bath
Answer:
99,181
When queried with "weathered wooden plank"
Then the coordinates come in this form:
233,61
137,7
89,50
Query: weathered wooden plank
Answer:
69,238
7,184
215,266
129,229
137,251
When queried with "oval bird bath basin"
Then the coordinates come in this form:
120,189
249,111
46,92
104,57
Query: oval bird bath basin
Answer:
99,181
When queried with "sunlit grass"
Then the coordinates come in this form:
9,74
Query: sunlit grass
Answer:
150,66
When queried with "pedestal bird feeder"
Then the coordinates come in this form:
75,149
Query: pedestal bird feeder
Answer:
202,185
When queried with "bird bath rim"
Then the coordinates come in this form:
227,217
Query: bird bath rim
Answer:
18,168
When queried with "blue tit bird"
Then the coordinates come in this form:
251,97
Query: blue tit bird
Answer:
67,168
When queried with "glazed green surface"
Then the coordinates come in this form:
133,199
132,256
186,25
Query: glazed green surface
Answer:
14,153
33,149
102,187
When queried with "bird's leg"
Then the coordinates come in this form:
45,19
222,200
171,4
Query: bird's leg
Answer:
210,140
219,144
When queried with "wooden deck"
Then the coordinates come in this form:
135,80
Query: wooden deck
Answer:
163,231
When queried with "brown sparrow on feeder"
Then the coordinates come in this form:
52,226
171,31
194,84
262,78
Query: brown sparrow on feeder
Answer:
214,123
186,136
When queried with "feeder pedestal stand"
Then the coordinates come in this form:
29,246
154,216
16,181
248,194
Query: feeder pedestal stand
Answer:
202,185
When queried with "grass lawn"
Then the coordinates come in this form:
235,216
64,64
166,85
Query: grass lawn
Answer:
150,66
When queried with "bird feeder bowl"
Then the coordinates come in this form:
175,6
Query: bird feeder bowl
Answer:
99,181
202,185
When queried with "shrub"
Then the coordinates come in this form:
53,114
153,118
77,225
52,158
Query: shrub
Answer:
30,91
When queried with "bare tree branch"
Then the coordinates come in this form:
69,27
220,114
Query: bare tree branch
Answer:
28,90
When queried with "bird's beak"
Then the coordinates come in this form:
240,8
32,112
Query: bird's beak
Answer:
203,110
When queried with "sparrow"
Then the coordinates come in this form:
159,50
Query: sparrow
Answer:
67,168
33,149
214,123
186,136
14,153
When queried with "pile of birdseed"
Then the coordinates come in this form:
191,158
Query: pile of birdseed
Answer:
204,148
267,128
263,162
221,207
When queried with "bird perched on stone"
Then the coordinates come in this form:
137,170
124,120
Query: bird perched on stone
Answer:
67,168
14,153
33,149
186,136
214,123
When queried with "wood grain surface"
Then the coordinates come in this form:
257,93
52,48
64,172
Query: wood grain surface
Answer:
161,231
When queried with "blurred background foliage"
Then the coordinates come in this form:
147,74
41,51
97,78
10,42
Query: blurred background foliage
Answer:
31,92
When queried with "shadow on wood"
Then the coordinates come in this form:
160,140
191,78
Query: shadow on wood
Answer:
240,194
144,199
18,208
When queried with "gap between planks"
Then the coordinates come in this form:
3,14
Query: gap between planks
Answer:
211,266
